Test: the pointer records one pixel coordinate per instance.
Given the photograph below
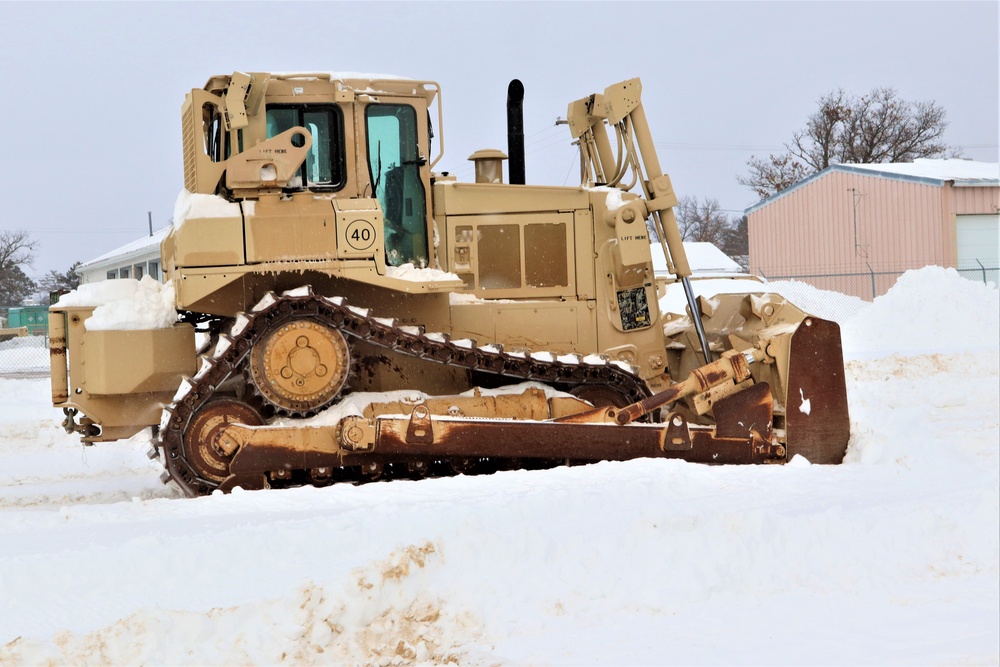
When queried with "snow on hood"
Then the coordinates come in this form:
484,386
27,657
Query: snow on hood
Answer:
125,304
190,205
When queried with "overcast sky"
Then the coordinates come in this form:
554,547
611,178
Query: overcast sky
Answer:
92,91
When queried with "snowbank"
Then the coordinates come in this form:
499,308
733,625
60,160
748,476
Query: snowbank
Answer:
125,304
928,310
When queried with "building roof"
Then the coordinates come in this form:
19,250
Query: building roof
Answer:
961,172
143,246
703,257
958,172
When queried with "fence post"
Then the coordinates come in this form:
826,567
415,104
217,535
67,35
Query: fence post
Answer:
982,268
873,279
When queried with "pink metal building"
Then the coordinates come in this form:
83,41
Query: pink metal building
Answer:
855,228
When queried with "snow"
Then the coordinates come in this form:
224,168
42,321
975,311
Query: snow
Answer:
891,558
821,303
614,201
125,304
952,169
413,274
193,205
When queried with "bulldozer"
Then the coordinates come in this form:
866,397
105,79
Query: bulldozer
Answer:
345,312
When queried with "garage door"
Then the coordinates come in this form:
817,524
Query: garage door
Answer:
978,240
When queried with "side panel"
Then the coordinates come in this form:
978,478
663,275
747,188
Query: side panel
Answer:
550,325
208,242
143,361
513,255
302,228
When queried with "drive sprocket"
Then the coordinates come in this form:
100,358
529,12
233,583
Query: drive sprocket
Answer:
300,366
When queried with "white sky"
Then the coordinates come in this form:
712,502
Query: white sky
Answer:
92,91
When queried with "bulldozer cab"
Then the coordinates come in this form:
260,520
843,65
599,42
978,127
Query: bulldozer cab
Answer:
251,136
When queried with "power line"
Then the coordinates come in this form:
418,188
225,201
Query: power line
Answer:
714,147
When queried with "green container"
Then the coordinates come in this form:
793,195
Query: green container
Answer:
36,318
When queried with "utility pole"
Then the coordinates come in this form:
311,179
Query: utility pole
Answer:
859,250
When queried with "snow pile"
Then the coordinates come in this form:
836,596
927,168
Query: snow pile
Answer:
125,304
413,274
926,311
821,303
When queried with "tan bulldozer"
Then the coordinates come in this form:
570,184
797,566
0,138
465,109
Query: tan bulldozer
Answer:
363,316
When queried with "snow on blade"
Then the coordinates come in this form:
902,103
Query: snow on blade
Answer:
805,406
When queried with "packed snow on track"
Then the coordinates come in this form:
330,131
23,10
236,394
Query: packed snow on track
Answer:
891,558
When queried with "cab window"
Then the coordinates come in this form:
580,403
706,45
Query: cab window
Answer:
394,162
323,168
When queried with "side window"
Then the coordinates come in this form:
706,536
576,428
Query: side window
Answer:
394,163
323,168
215,137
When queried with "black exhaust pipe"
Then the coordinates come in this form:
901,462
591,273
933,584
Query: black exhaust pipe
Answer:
515,131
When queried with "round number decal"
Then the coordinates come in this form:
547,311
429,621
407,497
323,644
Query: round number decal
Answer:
360,235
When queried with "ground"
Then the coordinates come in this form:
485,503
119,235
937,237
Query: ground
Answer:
891,558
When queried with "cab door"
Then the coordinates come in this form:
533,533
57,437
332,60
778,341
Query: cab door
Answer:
395,163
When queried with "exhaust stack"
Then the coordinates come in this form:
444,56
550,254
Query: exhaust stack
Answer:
515,131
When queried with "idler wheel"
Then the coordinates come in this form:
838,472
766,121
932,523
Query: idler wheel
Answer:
300,366
203,448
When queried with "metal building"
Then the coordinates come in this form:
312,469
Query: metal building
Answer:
855,228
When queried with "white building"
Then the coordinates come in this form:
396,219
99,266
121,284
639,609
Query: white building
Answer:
705,260
133,260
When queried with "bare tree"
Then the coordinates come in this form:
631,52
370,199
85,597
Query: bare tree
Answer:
873,128
702,220
16,250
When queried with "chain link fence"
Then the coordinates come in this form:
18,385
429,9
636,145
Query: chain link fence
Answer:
870,284
22,355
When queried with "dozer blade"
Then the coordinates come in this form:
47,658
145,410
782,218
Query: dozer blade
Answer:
743,436
816,421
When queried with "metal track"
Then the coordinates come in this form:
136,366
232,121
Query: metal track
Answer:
231,357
